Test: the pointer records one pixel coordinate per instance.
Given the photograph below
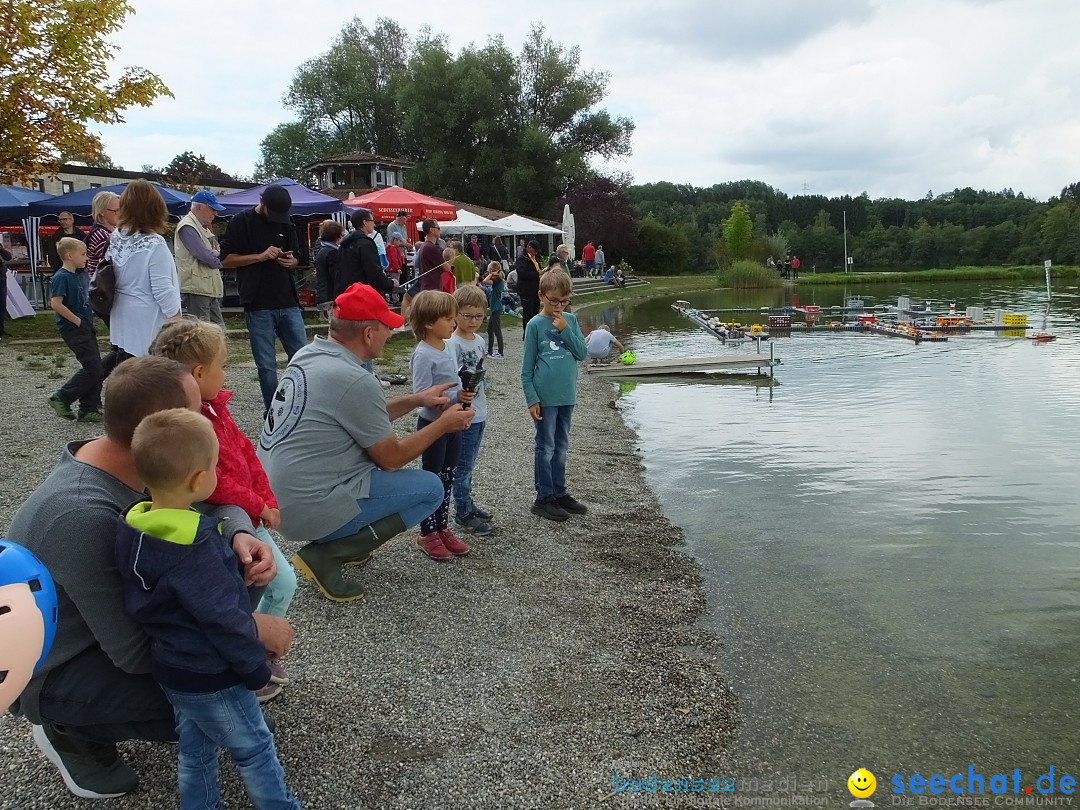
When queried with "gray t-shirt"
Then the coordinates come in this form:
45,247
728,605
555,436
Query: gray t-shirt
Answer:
429,367
327,410
469,353
599,343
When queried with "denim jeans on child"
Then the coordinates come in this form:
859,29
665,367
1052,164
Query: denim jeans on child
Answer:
552,442
232,719
411,494
470,446
265,326
279,592
440,458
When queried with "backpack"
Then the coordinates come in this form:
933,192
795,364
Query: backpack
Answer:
103,289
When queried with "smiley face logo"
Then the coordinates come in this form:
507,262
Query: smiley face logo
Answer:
861,783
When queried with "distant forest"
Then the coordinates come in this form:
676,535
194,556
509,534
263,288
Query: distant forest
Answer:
680,226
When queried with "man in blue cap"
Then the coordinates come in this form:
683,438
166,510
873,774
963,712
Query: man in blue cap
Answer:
197,263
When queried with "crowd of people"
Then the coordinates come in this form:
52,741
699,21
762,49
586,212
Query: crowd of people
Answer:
172,590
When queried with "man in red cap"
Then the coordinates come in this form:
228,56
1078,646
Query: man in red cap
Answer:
330,451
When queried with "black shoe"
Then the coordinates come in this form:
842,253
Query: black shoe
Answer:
90,770
549,510
571,504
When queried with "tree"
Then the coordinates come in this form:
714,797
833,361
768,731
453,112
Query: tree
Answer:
738,232
602,215
661,248
54,80
486,125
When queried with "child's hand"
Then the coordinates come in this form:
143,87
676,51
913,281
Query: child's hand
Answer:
559,322
466,397
534,411
271,517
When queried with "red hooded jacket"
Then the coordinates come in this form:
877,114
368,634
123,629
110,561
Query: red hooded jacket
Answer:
241,479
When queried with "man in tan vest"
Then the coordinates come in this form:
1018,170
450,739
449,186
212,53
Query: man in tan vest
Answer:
197,262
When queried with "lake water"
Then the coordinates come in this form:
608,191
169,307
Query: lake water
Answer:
890,532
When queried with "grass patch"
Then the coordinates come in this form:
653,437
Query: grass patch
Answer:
747,275
1013,273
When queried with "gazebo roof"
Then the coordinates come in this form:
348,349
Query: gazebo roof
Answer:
358,158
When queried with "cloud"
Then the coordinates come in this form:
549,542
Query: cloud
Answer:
843,95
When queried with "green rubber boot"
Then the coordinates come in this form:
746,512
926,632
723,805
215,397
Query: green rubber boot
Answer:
369,538
322,562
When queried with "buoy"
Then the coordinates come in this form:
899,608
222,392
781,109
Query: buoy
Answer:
628,358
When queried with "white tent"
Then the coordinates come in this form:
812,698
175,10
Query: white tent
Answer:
468,222
522,226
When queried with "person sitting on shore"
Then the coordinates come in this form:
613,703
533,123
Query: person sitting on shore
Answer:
94,688
599,342
336,470
241,481
183,586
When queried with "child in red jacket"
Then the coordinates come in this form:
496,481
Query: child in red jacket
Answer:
200,345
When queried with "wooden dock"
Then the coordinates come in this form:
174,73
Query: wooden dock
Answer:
683,365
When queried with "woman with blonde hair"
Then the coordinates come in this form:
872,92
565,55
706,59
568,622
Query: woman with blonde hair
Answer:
105,210
147,292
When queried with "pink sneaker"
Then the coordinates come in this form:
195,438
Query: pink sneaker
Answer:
452,543
432,545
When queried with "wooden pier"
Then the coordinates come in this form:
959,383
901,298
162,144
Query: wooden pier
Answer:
684,365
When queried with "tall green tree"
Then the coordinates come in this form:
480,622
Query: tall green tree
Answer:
484,125
54,81
738,232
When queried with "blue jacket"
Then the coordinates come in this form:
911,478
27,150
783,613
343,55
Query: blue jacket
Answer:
187,593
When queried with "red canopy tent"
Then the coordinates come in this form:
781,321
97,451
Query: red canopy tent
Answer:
386,202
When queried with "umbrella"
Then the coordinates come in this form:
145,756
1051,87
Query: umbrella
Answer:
79,202
305,202
468,222
569,230
15,201
386,202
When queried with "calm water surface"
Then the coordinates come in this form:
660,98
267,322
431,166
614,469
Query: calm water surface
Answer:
890,533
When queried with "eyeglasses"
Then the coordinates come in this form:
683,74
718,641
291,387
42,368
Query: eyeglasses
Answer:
558,302
469,316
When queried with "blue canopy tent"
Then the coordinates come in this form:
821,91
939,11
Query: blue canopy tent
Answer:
15,202
305,202
79,202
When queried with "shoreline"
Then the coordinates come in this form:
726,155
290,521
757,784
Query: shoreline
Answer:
524,675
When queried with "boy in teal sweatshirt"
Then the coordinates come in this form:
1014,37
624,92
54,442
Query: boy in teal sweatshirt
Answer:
554,346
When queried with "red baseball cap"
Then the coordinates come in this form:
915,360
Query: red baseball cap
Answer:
363,303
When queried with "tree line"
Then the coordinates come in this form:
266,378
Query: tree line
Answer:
682,226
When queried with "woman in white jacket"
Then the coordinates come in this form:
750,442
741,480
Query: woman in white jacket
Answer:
147,292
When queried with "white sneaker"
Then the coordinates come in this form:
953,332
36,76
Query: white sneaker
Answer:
496,356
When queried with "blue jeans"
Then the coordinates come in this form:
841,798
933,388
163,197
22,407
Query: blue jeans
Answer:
470,446
552,442
232,719
411,494
279,593
265,326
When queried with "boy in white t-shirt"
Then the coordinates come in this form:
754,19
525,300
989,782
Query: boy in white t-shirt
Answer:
469,350
599,343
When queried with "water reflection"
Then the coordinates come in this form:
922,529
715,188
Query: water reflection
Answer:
890,533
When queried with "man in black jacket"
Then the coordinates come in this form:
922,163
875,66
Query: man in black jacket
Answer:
528,282
358,260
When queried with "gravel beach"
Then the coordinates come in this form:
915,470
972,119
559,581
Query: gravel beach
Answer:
521,676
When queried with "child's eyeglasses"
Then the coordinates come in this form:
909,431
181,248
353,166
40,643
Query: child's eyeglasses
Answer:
467,316
558,302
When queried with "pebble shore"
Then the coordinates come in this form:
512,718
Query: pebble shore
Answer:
521,676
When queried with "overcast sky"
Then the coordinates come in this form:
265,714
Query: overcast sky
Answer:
891,97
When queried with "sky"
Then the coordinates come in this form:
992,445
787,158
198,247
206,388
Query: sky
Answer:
895,98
